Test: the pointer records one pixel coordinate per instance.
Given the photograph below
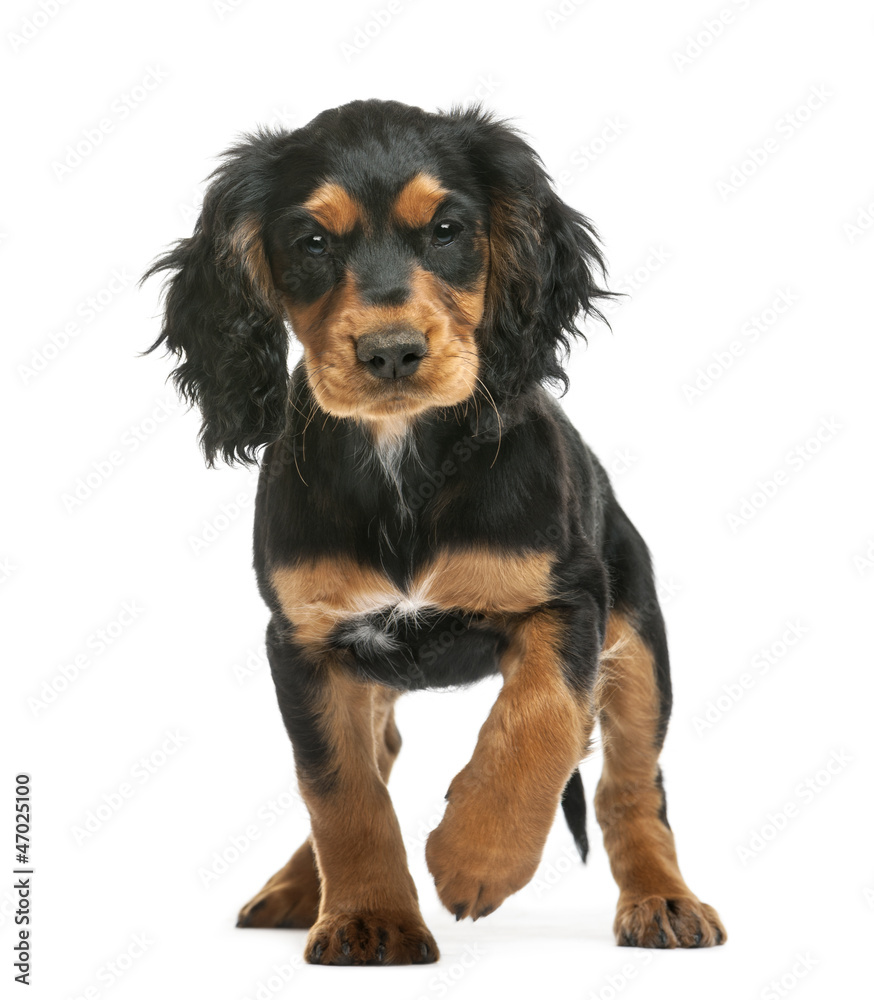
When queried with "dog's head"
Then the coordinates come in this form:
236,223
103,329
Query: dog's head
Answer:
419,259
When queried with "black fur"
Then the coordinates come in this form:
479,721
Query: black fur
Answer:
552,265
573,804
231,335
508,472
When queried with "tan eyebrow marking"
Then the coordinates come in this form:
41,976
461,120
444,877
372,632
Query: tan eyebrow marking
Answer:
418,200
336,209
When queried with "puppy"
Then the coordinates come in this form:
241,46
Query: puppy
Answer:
426,514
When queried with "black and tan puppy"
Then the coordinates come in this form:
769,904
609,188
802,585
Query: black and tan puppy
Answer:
427,515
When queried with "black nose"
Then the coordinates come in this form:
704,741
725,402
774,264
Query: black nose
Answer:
392,353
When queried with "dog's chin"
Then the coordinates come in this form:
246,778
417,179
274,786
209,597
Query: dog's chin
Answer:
395,402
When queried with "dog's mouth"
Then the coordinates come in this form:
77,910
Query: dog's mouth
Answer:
347,388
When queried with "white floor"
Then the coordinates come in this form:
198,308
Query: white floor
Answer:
145,905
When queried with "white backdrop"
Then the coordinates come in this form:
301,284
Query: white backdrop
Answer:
724,150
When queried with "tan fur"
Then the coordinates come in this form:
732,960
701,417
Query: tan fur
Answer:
479,579
334,208
317,595
329,330
248,247
357,840
656,907
291,896
347,865
502,804
306,320
418,200
385,730
388,432
506,232
368,905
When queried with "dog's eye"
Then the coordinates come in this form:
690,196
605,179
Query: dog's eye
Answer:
316,245
445,233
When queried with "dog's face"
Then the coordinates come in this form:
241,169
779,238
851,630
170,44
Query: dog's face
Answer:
419,258
380,264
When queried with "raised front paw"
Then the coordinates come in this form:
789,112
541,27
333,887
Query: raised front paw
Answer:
659,922
477,863
370,939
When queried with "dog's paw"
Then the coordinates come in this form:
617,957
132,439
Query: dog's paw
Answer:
476,869
370,939
290,903
657,922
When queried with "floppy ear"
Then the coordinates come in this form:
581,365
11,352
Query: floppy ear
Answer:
544,259
220,312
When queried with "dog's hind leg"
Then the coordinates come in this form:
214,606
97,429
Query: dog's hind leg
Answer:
290,898
656,908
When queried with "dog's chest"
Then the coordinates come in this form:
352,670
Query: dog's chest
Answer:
334,595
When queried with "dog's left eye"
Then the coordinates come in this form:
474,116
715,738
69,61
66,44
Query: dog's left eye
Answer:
445,233
316,245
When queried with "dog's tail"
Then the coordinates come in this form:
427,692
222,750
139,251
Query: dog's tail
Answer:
573,803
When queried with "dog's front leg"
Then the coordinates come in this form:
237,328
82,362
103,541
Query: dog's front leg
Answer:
368,909
502,804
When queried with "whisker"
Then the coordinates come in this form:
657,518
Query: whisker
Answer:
300,474
497,415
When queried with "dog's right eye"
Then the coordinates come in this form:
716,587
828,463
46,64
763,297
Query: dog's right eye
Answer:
314,244
445,233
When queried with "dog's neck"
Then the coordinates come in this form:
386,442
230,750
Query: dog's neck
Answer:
392,443
389,435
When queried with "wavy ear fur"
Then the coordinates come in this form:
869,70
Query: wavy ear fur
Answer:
220,312
544,259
